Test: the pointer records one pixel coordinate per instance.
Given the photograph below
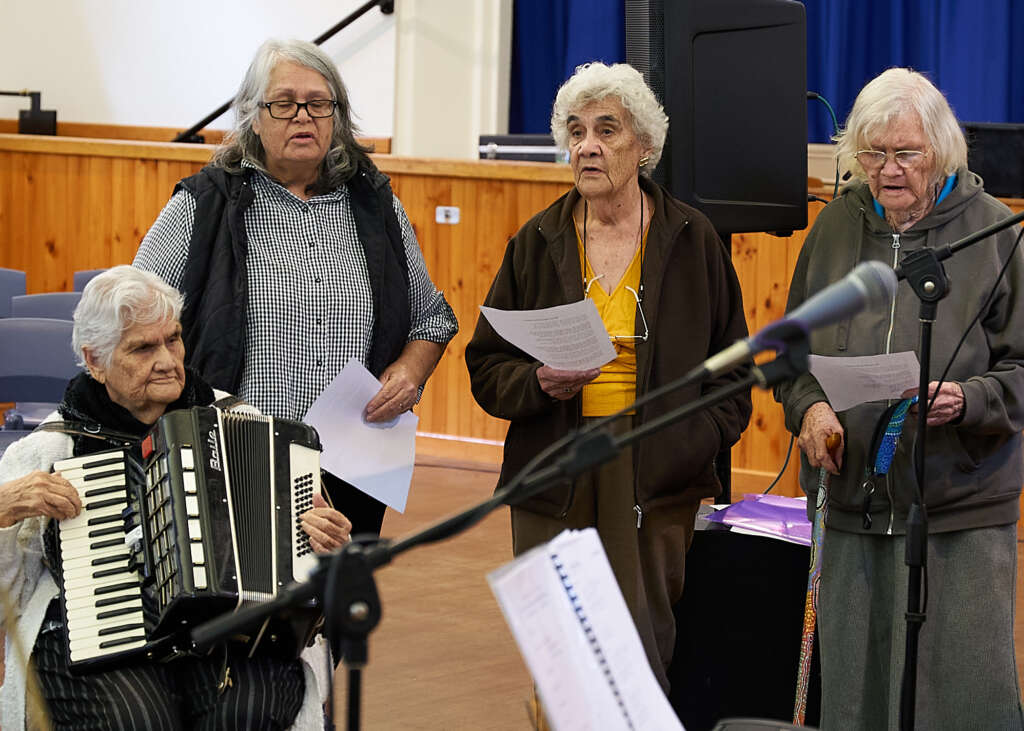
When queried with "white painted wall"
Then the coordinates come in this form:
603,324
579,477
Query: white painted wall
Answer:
168,63
454,63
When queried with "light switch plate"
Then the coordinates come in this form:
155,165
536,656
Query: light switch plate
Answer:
446,214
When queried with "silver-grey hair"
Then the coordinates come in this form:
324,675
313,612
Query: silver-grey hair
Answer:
890,95
596,81
115,300
242,143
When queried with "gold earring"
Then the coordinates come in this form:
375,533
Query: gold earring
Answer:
644,160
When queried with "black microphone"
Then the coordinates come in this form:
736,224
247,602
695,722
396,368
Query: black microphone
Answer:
870,284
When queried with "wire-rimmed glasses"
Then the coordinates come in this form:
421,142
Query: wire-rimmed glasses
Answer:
639,308
875,159
316,108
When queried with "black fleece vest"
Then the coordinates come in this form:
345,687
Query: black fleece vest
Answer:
216,285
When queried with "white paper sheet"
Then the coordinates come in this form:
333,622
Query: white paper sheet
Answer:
578,639
858,379
567,337
376,458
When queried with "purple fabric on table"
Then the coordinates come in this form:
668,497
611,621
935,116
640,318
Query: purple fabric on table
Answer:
770,515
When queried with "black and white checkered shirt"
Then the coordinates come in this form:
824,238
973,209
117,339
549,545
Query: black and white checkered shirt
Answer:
310,305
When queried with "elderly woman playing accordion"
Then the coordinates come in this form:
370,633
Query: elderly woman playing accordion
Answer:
127,335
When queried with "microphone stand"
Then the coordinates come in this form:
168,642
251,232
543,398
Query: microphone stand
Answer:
343,580
923,271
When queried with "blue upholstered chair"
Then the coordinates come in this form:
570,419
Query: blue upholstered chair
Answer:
54,305
35,368
12,284
82,277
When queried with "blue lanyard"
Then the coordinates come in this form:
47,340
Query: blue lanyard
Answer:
887,447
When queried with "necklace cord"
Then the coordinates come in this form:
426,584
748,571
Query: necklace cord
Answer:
640,240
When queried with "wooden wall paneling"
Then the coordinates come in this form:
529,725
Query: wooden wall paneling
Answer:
97,243
148,188
47,255
465,240
142,216
81,204
6,204
17,234
81,169
761,264
765,266
500,212
462,259
418,197
125,234
55,229
70,204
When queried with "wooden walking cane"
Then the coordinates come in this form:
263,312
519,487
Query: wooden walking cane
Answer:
813,579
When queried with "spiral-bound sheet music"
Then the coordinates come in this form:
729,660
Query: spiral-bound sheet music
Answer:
578,640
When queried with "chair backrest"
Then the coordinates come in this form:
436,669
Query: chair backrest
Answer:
36,360
82,277
55,305
12,284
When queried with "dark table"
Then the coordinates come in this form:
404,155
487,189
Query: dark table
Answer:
739,627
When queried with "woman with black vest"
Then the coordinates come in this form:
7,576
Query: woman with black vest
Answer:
295,256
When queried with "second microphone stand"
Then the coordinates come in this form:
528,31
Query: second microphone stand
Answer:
924,273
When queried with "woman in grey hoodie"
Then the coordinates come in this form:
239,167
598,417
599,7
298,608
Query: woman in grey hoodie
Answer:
912,189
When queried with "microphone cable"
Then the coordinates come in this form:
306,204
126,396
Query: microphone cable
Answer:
835,131
984,308
785,464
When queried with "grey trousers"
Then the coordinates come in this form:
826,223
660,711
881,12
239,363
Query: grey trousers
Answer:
648,562
966,669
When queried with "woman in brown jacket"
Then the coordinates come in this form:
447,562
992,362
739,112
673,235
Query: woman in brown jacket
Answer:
668,295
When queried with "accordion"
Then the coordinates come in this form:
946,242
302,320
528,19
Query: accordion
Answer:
202,518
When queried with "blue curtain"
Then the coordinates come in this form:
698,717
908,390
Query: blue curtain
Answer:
966,47
972,49
550,38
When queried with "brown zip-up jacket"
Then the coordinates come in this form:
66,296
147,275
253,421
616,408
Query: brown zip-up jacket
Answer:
694,309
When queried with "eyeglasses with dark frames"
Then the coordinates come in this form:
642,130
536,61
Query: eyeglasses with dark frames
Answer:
316,108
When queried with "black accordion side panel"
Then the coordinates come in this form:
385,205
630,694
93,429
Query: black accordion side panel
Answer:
223,574
197,580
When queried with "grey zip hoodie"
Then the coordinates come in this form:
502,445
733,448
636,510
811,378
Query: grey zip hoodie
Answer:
974,467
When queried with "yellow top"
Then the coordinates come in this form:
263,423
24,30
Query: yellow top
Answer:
615,387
